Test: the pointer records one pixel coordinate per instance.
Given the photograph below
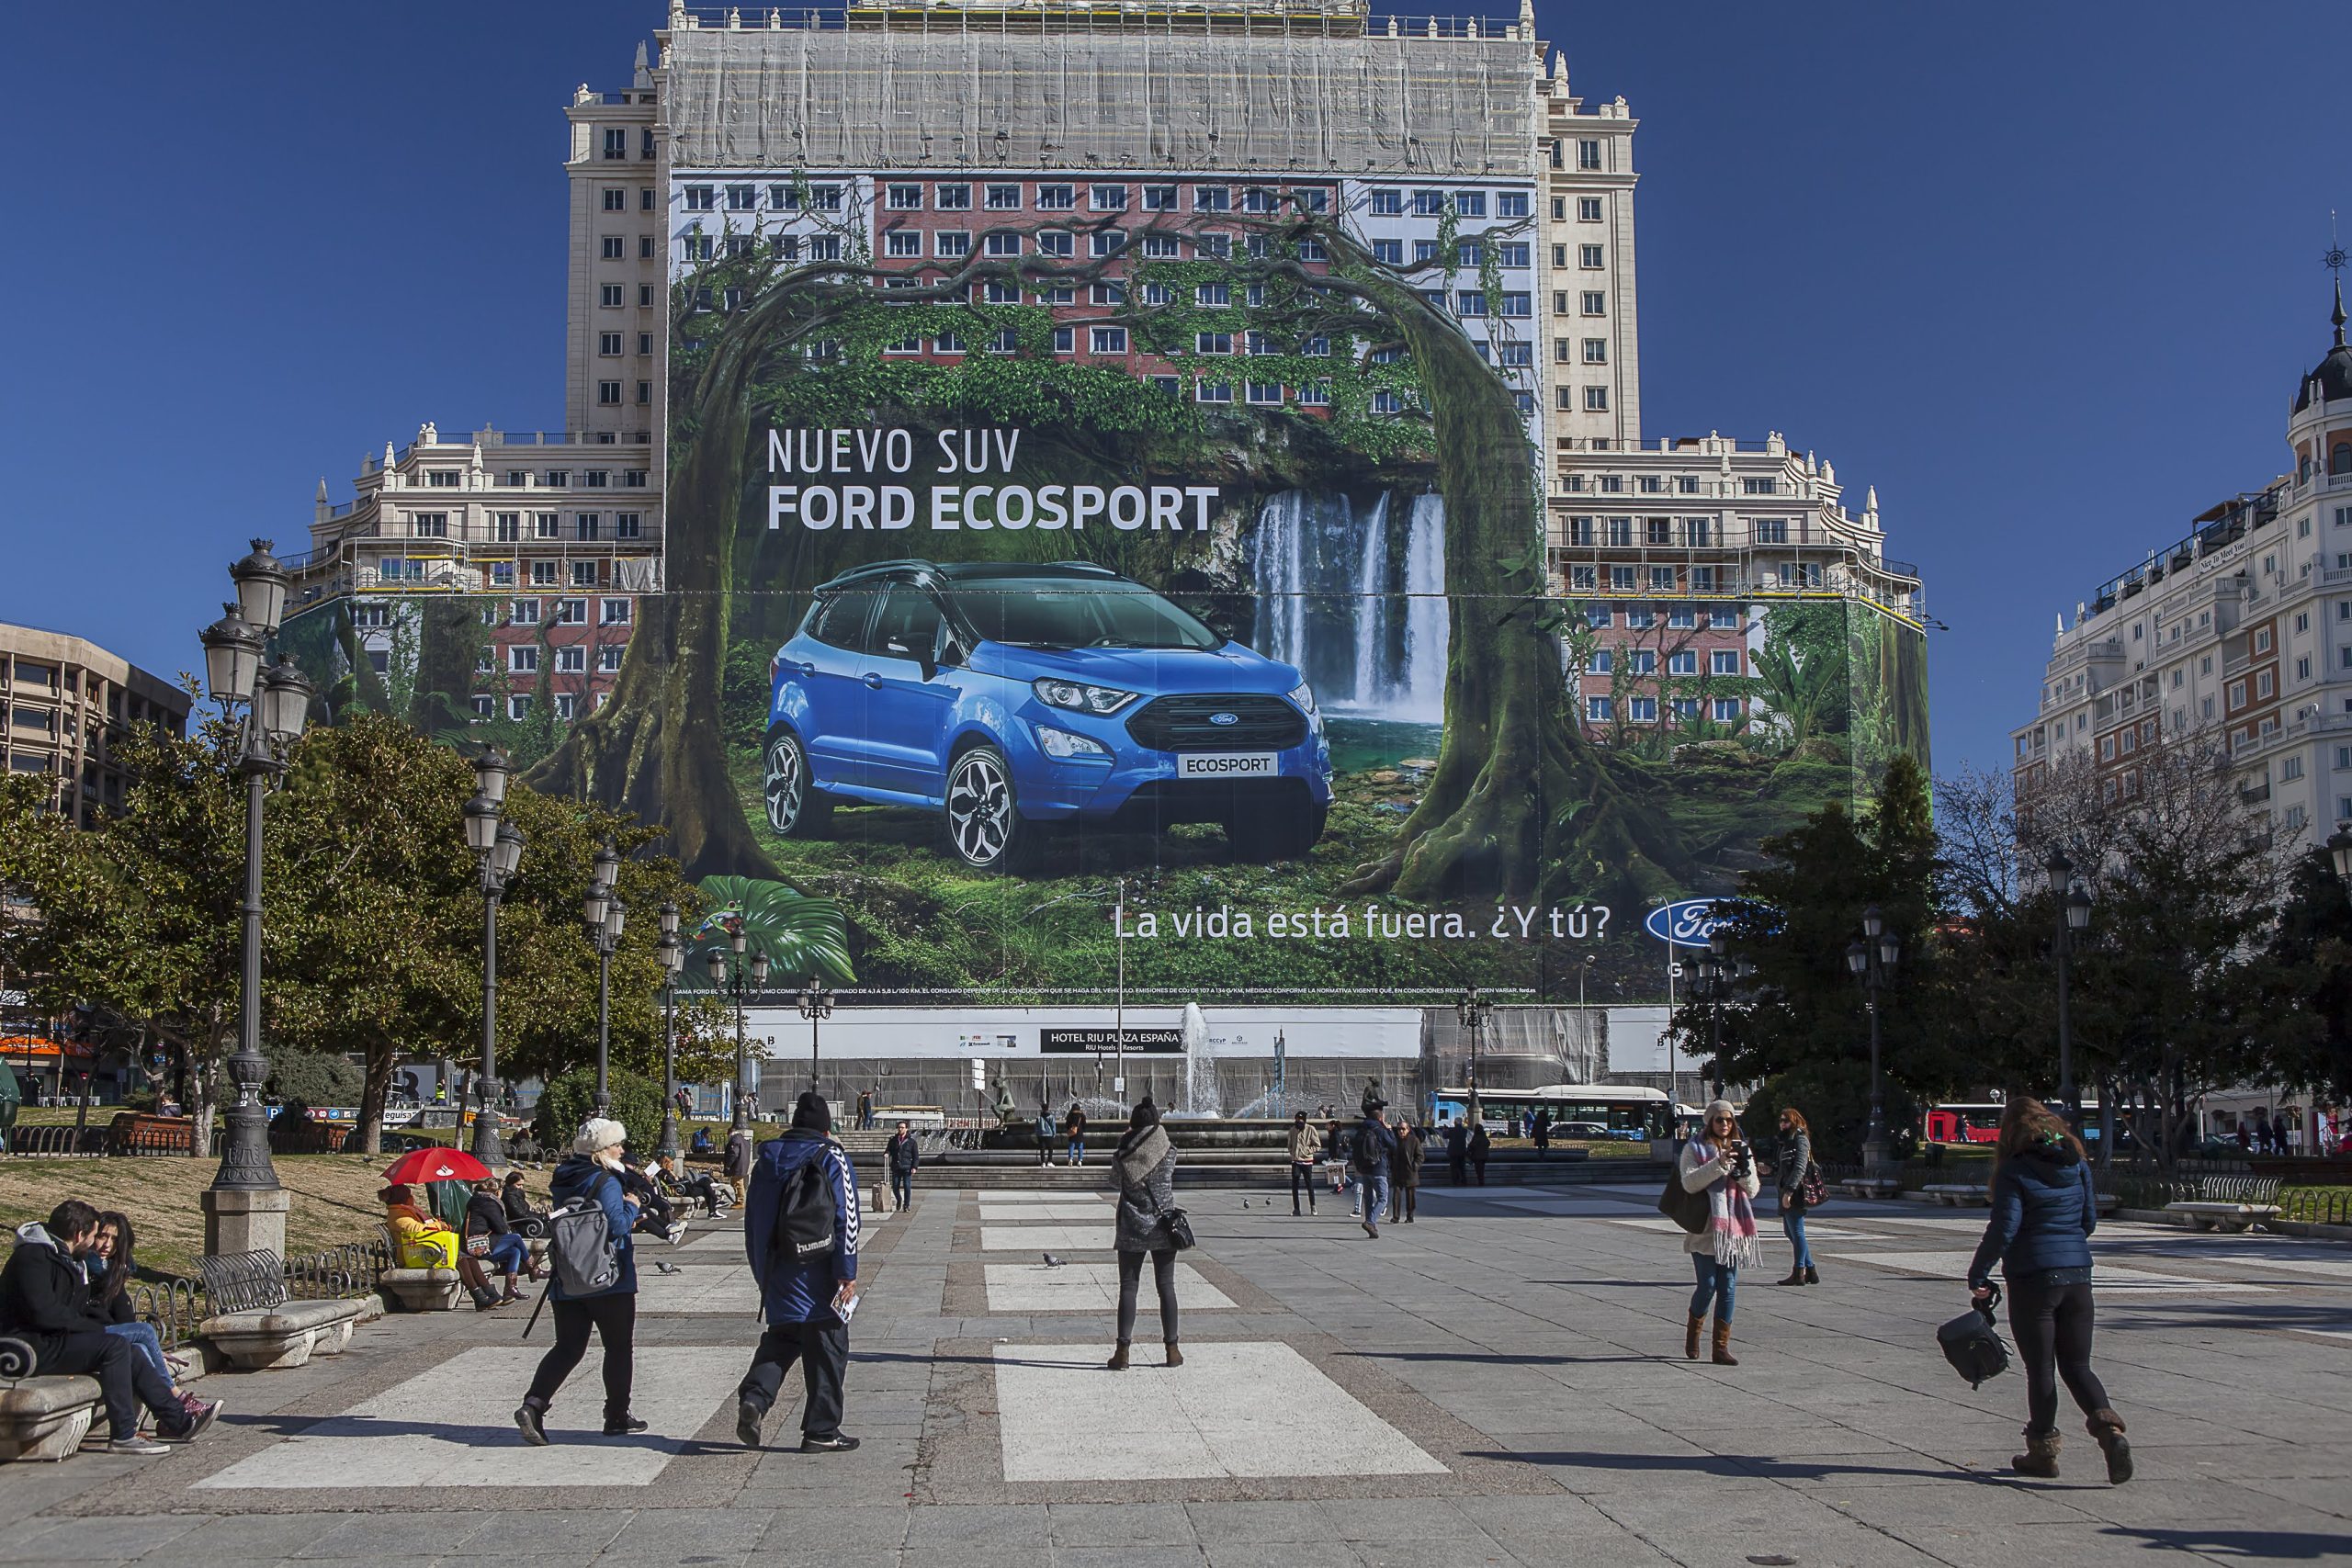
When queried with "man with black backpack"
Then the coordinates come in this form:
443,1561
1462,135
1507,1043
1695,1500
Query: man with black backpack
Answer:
800,1230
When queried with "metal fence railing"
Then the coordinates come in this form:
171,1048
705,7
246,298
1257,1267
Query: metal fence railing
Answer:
2317,1205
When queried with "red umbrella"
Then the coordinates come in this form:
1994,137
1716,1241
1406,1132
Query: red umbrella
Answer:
436,1164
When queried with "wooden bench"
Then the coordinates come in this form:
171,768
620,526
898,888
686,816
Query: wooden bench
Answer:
257,1326
1958,1194
2226,1217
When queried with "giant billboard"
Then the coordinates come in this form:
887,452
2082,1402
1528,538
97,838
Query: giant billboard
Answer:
1102,582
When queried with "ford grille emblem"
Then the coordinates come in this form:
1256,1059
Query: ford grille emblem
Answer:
1224,718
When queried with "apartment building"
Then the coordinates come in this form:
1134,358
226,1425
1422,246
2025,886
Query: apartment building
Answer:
67,702
1593,369
2242,627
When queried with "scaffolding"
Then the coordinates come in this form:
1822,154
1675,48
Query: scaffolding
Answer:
1246,86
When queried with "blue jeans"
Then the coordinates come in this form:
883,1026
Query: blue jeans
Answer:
1717,1281
1078,1150
508,1253
1793,1226
902,1186
143,1339
1374,1186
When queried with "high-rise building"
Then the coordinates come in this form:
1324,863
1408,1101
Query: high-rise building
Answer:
66,702
2241,627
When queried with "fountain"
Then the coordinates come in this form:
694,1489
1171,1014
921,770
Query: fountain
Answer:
1201,1098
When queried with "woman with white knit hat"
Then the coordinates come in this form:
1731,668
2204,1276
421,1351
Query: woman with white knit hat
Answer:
592,1173
1719,1163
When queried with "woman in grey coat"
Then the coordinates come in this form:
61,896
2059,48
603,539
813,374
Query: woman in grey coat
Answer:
1145,1168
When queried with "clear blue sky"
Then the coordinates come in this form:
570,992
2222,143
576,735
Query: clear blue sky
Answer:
2043,274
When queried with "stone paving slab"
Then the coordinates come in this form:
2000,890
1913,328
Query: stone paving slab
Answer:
1045,1238
1088,1288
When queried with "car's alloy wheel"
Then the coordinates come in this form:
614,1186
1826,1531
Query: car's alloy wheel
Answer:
980,823
785,786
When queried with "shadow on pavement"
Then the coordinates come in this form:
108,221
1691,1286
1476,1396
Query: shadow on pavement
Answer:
1732,1466
2275,1546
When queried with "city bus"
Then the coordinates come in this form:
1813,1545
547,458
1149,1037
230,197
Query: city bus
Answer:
1973,1122
1616,1110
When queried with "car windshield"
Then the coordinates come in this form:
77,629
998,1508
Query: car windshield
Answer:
1063,612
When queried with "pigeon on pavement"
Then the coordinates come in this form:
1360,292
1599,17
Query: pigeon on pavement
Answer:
667,1268
1053,1262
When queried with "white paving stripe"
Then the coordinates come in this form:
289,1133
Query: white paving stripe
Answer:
450,1426
2107,1277
1045,1238
1042,1214
1090,1288
700,1288
1772,1229
1232,1409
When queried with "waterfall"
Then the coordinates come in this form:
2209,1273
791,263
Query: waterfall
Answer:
1421,693
1329,579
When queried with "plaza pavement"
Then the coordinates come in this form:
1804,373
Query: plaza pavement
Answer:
1499,1383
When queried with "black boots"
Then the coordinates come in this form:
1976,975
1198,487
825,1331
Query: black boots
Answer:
531,1416
2107,1430
1175,1356
1812,1275
1118,1362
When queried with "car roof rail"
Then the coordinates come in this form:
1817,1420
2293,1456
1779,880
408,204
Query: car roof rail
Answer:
1085,566
879,568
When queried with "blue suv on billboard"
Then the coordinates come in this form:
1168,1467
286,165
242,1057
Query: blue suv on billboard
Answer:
1010,697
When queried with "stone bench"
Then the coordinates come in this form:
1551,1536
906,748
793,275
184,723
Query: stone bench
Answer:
46,1418
1958,1194
1868,1186
287,1334
2231,1217
422,1290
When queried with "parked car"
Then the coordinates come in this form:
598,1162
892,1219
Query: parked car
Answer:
1588,1130
1009,697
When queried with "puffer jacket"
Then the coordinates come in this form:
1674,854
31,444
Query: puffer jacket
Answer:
44,1294
1145,1171
579,1176
2044,1210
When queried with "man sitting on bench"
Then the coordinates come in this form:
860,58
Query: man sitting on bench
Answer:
45,1301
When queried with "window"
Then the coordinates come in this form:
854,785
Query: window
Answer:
1109,243
523,658
1212,343
1056,243
1595,400
1470,203
1662,579
1002,198
1470,303
1220,393
1603,661
951,242
2265,685
1262,393
999,242
1588,257
1387,402
1511,204
1598,710
1107,198
1511,252
1217,247
645,342
608,342
1428,203
609,295
611,248
614,613
1314,395
702,199
1766,485
608,659
609,394
2303,667
1588,155
903,198
1160,198
952,197
1065,340
1389,252
1640,710
1588,209
1108,340
1596,351
1725,661
1685,663
1515,355
1643,661
1726,710
573,660
616,142
628,524
2262,640
1387,203
1212,198
2237,696
2290,768
430,525
1657,530
901,243
743,198
585,525
1517,304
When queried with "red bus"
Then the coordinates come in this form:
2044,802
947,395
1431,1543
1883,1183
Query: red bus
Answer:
1980,1123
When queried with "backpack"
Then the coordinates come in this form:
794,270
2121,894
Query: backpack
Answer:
1972,1346
806,1213
1365,1158
580,1245
1684,1207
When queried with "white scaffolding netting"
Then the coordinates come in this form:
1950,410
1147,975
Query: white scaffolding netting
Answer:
798,98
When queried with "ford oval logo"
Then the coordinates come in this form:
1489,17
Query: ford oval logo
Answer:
1689,922
1224,718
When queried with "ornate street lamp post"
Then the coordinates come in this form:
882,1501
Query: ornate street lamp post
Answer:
604,916
499,847
672,952
816,1004
2339,849
245,1208
2073,917
1872,960
1471,1013
747,976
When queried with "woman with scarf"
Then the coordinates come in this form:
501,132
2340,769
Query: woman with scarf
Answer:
1719,1164
2044,1210
1145,1166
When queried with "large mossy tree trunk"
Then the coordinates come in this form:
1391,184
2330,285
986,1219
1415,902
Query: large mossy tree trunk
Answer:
658,748
1520,803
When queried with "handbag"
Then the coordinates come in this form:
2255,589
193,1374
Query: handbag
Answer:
477,1246
1177,1226
1973,1345
1684,1207
1812,1191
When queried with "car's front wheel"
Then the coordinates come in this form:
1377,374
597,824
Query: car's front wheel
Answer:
1285,833
985,829
795,807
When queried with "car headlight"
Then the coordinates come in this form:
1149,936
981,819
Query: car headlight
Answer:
1304,696
1079,697
1062,746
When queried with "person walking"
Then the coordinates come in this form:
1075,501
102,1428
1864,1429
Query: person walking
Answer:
1044,1135
1405,1171
1719,1164
1457,1152
1539,1128
1145,1168
45,1301
2044,1210
902,1157
1793,1158
736,1162
808,1292
1306,1148
1376,1148
1480,1145
592,1176
1074,1126
866,1110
